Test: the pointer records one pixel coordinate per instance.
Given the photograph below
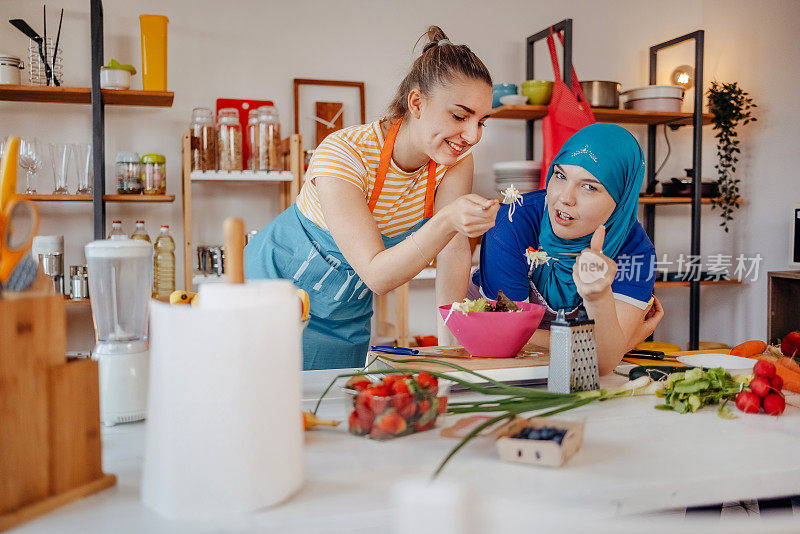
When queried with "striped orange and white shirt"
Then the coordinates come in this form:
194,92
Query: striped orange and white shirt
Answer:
352,155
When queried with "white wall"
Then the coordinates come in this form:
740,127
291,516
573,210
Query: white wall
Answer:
252,49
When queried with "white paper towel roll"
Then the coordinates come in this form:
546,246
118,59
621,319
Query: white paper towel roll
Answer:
224,431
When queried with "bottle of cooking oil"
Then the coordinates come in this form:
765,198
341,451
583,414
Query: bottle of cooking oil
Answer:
116,230
140,232
164,264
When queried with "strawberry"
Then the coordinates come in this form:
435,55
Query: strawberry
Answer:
423,406
408,412
774,404
358,383
791,344
442,405
764,369
389,380
760,386
748,402
356,426
400,387
427,426
390,424
401,400
776,382
427,380
376,398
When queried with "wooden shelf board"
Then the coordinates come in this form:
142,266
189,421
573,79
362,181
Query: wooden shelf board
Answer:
139,198
70,302
241,176
57,198
621,116
674,200
83,95
661,283
107,198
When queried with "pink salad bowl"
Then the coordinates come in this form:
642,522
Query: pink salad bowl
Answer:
494,334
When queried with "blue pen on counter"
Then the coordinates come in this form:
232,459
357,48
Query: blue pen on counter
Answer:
404,351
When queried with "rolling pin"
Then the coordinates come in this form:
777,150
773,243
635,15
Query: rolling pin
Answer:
234,250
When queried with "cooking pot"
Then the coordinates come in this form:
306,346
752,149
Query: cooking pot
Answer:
682,187
601,94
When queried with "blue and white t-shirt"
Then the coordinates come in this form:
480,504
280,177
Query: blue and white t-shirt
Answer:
503,264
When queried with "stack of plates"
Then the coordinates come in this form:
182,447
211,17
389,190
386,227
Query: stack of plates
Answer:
524,175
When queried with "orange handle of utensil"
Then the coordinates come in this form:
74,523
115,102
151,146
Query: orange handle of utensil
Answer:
10,257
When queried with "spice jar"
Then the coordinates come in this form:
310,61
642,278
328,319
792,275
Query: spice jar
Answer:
253,140
154,174
229,140
269,137
203,139
129,173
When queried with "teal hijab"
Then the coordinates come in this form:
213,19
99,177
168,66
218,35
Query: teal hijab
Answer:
614,157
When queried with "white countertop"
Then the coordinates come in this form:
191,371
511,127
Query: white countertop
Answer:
634,459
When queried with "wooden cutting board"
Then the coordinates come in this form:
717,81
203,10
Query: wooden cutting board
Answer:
530,356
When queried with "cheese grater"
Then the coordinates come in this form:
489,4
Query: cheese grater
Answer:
573,354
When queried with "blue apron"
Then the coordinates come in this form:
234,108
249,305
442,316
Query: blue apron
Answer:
294,248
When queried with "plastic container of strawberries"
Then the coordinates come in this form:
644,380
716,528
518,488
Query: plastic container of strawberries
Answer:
380,412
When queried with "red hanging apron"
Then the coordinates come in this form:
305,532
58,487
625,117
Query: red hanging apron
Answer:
567,113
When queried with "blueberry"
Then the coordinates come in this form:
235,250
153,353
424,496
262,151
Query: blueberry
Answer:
535,434
519,435
547,433
558,438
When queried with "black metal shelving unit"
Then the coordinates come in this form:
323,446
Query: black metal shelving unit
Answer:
98,122
697,158
697,143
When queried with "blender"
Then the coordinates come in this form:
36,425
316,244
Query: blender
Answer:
120,277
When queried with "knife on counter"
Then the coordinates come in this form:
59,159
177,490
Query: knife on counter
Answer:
406,351
648,355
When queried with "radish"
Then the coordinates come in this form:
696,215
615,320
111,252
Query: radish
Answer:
791,344
774,404
748,402
764,369
760,386
776,382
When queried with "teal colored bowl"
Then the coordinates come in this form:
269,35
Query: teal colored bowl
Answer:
500,90
538,92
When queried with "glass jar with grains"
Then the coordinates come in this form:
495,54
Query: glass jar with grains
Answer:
203,139
155,174
229,140
269,137
252,140
129,173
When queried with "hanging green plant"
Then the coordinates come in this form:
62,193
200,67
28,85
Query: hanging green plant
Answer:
730,106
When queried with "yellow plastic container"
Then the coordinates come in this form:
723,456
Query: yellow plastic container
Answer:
154,52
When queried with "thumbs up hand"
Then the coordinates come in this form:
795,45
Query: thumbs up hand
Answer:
593,271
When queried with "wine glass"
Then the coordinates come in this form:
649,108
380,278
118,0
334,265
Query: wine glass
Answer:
59,153
83,167
31,159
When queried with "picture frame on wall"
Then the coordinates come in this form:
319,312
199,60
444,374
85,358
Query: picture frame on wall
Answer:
322,107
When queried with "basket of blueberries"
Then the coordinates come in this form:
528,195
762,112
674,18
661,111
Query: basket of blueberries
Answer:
540,440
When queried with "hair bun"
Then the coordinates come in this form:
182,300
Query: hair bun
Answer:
429,46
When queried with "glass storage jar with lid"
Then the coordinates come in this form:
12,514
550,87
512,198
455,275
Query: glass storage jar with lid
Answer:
269,137
128,168
203,140
154,173
252,140
229,140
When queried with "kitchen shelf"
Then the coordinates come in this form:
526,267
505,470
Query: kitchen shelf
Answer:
82,302
139,198
619,116
661,283
107,198
647,199
83,95
56,198
241,176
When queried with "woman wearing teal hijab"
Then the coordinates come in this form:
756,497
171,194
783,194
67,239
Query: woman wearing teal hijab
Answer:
585,220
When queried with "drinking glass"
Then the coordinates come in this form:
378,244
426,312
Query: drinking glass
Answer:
83,167
60,154
31,159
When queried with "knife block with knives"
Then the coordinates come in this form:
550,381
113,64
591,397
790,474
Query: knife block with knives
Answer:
50,412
